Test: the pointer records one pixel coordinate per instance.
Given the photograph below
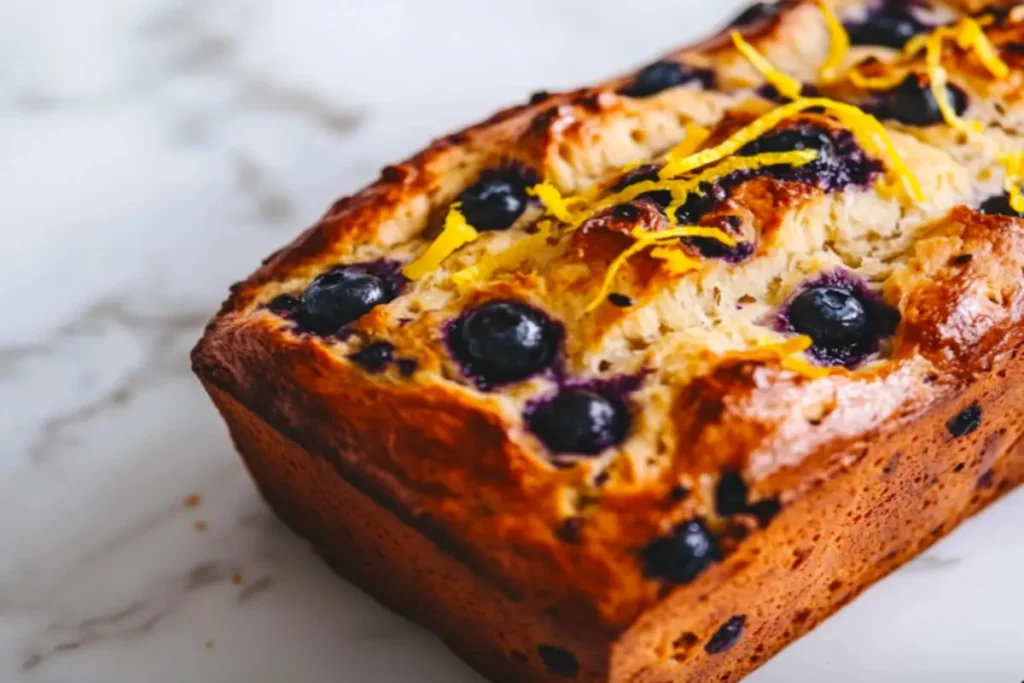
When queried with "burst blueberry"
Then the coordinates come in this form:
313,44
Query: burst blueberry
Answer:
580,421
504,341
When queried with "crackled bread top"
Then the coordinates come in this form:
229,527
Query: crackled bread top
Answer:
679,298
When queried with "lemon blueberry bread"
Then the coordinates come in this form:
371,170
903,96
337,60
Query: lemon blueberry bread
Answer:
642,381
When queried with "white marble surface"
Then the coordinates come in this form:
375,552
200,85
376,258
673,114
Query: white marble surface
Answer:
150,153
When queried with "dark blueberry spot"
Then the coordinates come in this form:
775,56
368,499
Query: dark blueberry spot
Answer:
580,421
683,555
731,494
406,366
966,421
625,212
891,25
284,304
569,530
792,139
999,205
678,492
912,102
539,96
959,467
343,295
620,300
558,660
961,259
504,341
769,92
701,202
834,318
845,320
733,221
647,172
374,357
765,510
655,78
496,200
759,11
727,635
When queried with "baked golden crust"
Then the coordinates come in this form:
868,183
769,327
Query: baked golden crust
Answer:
563,541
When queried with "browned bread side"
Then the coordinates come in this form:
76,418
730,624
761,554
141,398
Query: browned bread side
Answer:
431,486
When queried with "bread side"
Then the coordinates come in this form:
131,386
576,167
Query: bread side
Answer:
728,440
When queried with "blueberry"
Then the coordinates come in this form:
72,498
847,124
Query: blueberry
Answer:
285,304
625,212
683,555
558,660
727,635
620,300
340,296
833,317
999,205
792,139
504,341
655,78
495,201
580,421
891,26
912,102
757,12
966,421
699,203
731,494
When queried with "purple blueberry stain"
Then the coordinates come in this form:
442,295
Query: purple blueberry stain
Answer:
845,319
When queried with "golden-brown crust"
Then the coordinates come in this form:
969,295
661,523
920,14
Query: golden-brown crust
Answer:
456,474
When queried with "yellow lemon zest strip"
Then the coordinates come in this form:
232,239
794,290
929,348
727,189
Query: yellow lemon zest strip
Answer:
456,232
839,44
645,239
875,82
1014,164
553,201
507,259
868,130
695,137
938,79
969,34
784,83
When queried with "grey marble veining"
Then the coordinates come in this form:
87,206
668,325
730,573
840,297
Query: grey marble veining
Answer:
153,152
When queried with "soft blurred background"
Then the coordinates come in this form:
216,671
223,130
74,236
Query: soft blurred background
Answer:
151,152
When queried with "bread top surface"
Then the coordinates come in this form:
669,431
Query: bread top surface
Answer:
696,347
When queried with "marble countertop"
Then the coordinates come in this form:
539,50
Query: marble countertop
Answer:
153,152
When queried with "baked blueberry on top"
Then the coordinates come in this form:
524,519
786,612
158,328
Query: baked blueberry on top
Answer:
345,294
999,205
841,160
497,199
844,320
759,11
891,25
655,78
504,341
912,102
579,420
683,555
